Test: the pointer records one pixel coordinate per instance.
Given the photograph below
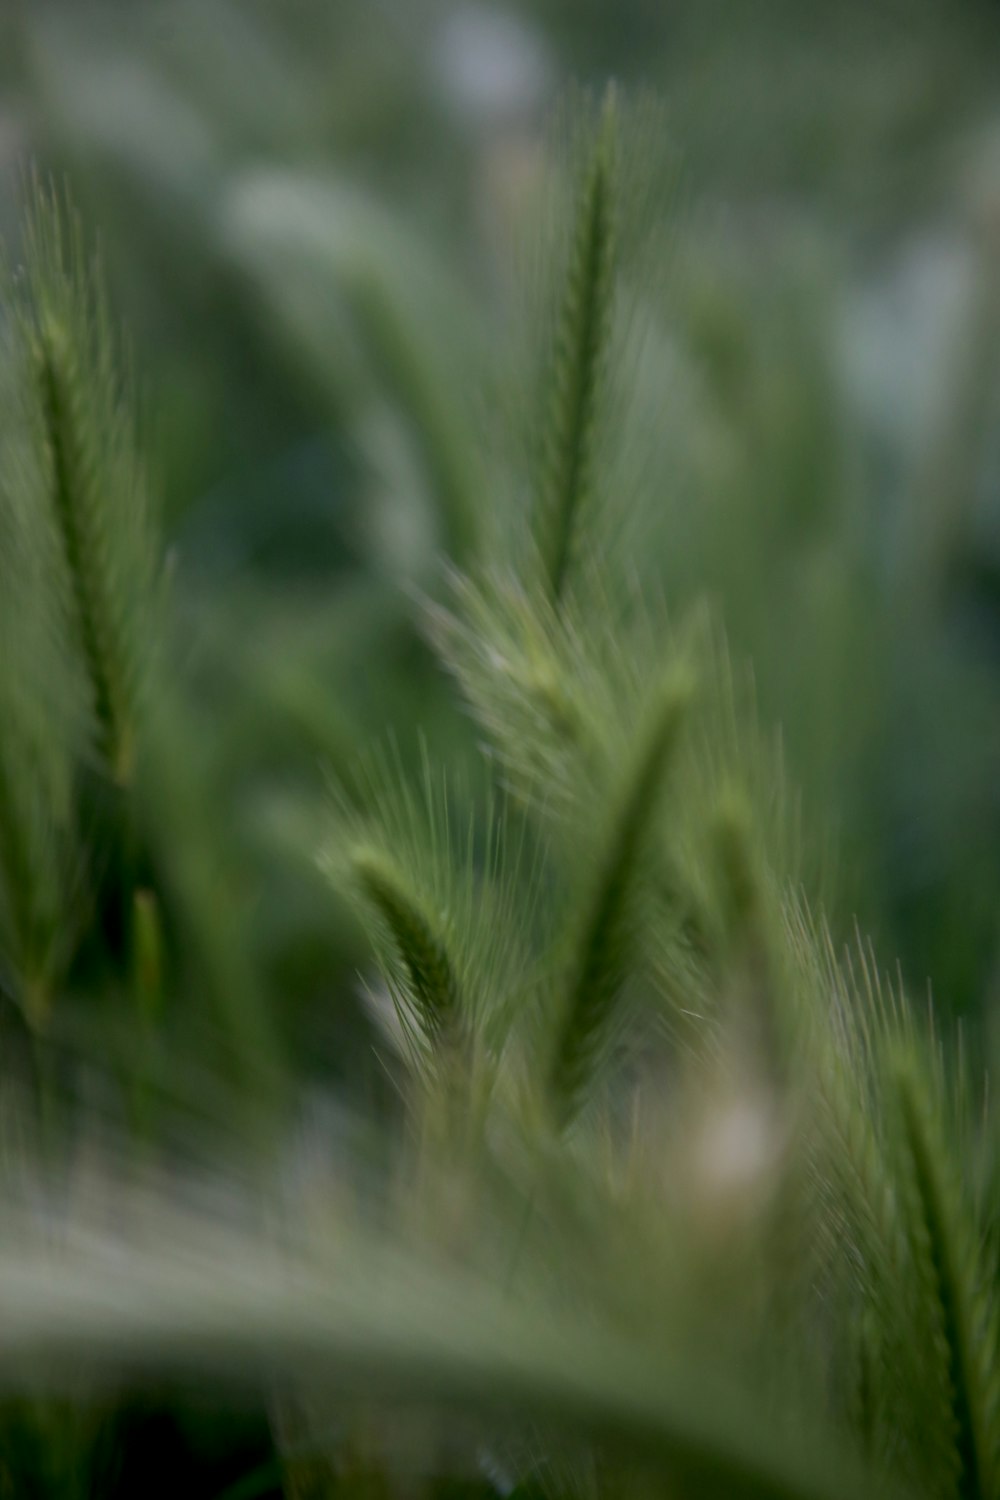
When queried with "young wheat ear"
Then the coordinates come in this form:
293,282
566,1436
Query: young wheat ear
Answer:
417,938
581,344
78,508
945,1259
601,946
97,506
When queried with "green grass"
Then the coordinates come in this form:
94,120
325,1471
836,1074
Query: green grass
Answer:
631,1177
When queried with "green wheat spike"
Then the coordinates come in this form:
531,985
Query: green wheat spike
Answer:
97,504
37,709
942,1249
581,342
82,525
419,944
601,947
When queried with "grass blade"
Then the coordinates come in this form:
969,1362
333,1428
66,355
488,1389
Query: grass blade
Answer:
372,1323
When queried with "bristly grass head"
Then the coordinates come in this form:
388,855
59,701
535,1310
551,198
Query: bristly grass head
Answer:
586,410
445,881
956,1303
601,949
99,508
42,708
417,936
583,331
531,680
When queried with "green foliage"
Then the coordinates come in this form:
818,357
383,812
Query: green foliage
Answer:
661,1199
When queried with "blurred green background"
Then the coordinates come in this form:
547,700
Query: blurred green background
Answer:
315,220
